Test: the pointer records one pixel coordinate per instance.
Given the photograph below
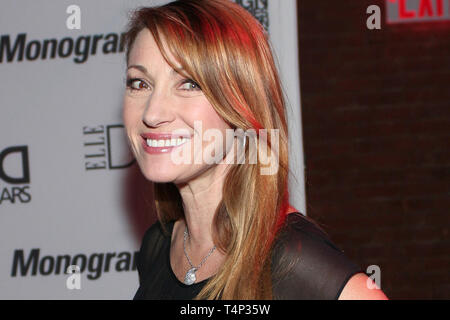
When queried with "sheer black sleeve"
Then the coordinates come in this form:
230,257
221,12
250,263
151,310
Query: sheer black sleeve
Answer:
306,265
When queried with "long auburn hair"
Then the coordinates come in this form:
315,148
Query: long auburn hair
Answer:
227,52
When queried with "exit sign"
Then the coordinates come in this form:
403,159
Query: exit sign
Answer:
417,10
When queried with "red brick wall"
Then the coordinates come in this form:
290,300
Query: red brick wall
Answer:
376,126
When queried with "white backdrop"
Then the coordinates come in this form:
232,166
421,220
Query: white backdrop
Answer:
69,191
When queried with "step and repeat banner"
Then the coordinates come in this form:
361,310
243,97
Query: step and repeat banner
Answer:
71,194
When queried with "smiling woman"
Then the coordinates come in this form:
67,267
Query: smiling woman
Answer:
225,230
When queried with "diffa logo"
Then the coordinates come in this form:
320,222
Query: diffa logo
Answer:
15,172
106,148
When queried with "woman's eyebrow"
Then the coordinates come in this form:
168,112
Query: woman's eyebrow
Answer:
177,71
140,68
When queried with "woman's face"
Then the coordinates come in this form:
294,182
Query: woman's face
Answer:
166,116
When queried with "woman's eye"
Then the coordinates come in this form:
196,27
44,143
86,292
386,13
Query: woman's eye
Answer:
136,84
190,85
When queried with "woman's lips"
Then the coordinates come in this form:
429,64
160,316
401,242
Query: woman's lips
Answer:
156,143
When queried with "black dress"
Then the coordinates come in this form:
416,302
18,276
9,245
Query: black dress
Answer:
305,265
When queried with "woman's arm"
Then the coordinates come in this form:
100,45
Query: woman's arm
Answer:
357,289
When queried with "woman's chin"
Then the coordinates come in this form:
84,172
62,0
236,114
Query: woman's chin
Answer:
165,171
158,173
158,177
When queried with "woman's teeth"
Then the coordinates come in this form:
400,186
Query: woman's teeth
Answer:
166,142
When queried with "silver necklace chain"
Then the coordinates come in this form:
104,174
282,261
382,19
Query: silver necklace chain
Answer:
190,277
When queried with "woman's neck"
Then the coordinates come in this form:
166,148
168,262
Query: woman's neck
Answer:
201,197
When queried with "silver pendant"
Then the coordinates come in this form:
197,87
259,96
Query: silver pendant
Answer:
190,276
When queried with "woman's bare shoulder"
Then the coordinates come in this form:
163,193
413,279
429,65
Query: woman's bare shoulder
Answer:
361,287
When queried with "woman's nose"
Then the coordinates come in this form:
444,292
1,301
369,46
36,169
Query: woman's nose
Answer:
158,110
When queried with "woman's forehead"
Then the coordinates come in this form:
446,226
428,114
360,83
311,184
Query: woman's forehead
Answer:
145,47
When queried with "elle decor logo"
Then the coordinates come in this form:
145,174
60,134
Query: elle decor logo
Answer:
106,148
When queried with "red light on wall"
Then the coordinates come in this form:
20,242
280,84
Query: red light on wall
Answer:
417,10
